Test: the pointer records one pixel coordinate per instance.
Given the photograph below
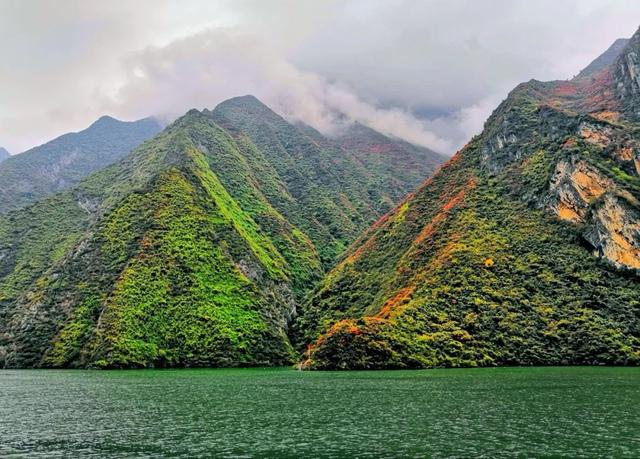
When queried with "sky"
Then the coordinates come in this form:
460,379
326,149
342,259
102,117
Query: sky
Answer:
427,71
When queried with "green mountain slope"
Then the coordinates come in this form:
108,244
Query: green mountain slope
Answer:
64,161
194,250
523,249
329,177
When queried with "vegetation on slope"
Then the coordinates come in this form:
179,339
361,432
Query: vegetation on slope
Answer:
193,250
66,160
481,266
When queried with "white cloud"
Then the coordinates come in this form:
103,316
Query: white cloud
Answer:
206,68
380,61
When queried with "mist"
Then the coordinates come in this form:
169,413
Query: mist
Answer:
397,66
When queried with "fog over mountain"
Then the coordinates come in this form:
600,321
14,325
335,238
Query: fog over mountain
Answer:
399,67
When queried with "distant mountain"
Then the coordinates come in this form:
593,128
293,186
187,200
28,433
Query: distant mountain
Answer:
64,161
605,60
524,249
4,154
398,163
196,249
321,171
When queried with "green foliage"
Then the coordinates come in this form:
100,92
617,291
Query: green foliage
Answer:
193,250
66,160
543,299
469,271
181,301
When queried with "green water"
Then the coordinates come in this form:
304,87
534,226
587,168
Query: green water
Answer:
523,412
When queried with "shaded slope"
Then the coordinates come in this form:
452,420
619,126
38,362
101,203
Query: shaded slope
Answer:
605,59
523,249
193,250
163,268
64,161
400,165
333,180
4,154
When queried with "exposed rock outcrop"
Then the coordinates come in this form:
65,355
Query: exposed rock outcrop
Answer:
581,194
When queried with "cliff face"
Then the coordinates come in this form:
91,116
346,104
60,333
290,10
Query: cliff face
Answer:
523,249
626,78
581,194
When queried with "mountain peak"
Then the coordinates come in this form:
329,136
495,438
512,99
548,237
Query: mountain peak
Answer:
65,160
605,59
625,72
105,120
248,103
236,229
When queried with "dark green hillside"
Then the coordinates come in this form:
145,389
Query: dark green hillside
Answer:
334,179
522,250
63,162
194,250
386,158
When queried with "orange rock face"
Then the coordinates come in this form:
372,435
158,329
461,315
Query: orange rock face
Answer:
595,137
607,115
621,245
578,188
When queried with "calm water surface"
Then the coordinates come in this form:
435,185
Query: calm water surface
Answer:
513,412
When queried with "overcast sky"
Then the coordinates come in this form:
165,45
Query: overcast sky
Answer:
427,71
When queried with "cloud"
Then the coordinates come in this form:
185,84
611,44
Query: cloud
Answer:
206,68
427,71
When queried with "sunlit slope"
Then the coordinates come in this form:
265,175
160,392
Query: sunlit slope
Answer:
523,249
194,250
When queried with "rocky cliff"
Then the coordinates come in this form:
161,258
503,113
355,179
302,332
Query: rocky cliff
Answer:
523,249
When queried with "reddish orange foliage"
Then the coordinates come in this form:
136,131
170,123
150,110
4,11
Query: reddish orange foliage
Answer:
393,302
606,115
565,89
590,94
429,229
598,93
342,325
452,202
368,244
367,235
428,180
455,200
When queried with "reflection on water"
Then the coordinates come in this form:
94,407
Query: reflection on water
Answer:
570,412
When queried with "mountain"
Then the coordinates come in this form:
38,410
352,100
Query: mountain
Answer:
524,249
605,60
195,249
64,161
396,162
336,183
4,154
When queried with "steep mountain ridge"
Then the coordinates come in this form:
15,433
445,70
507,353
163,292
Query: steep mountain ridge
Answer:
523,249
64,161
605,60
320,172
193,250
4,154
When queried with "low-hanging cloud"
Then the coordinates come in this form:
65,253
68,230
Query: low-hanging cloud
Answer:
206,68
428,71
